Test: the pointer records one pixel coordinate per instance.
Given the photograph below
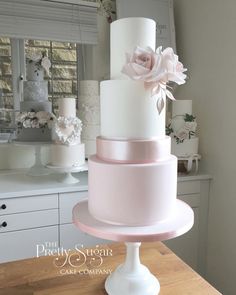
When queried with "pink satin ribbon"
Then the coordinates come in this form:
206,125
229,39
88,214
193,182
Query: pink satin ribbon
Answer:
133,151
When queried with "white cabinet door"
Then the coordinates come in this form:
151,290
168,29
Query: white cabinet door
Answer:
66,203
23,244
70,236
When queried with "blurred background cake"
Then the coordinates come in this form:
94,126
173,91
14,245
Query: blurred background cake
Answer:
67,149
34,122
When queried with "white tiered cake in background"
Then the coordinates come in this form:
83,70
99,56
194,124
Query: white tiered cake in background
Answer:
133,176
89,112
34,122
67,151
182,129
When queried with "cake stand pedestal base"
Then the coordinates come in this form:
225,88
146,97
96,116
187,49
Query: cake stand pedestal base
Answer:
67,177
37,169
132,278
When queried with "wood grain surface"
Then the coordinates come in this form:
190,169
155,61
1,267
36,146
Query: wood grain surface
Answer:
51,275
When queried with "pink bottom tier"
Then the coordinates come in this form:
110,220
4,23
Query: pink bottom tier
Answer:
132,194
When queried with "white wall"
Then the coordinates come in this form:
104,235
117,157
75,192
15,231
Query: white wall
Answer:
206,43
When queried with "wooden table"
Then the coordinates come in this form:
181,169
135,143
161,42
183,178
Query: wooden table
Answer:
48,276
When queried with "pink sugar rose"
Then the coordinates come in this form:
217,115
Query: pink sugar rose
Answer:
140,64
190,126
182,134
156,69
173,68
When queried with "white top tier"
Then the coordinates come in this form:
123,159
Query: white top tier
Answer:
89,87
181,107
126,34
67,107
34,72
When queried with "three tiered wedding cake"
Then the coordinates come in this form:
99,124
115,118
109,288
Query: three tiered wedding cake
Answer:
34,122
133,176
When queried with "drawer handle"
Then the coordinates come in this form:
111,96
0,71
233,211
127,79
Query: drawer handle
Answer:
4,206
4,224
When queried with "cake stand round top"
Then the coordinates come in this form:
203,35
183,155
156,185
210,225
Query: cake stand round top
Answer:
179,223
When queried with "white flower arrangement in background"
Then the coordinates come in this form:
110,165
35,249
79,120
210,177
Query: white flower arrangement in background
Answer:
187,131
34,119
62,124
106,8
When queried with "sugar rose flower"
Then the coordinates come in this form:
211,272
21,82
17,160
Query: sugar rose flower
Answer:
174,69
182,134
35,123
31,115
156,69
27,123
190,126
21,117
43,116
141,64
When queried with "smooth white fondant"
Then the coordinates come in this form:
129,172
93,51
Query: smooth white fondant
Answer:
67,107
187,148
89,87
126,34
67,156
132,194
129,111
35,90
27,106
181,107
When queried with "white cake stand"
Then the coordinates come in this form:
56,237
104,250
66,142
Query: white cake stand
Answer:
131,277
67,177
38,169
189,160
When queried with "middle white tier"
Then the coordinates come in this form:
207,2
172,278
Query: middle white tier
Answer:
132,194
129,111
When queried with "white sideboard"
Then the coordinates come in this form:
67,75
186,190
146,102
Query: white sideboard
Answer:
37,212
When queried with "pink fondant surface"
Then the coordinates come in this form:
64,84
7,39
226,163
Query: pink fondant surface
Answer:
132,194
180,221
133,151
